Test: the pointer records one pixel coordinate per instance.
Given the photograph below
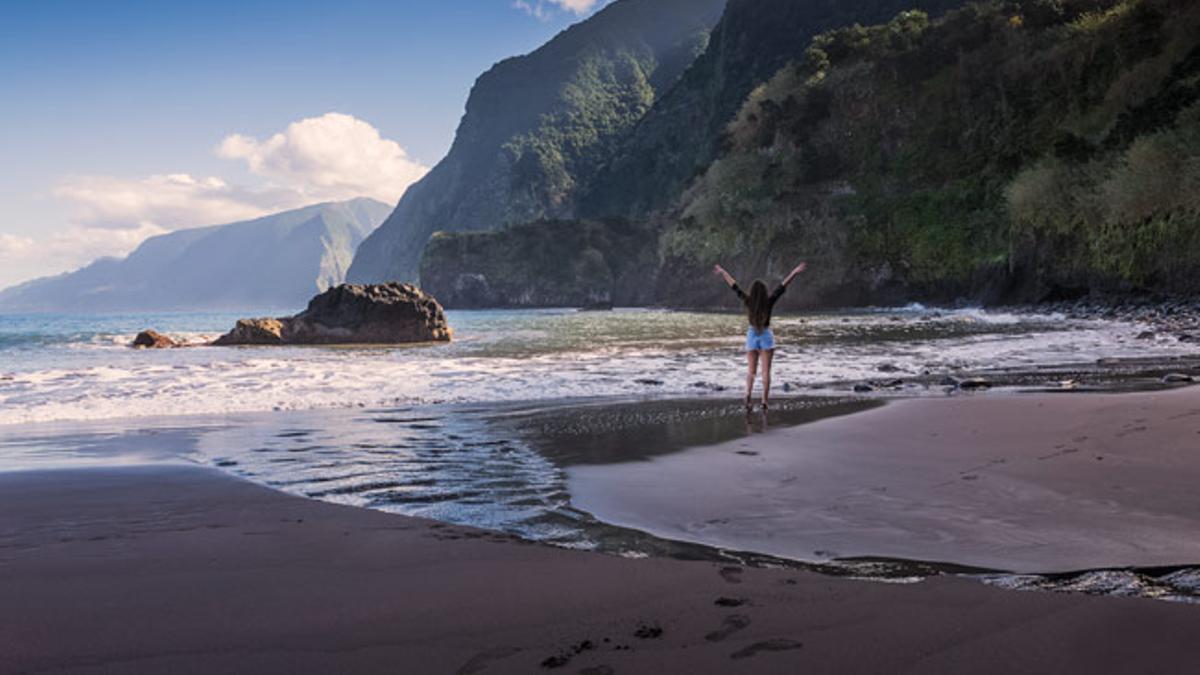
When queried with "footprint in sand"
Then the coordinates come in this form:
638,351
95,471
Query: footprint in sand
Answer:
773,645
1060,453
648,632
481,660
1129,430
597,670
731,574
732,624
729,602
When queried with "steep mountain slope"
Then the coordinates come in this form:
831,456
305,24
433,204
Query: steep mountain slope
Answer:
1012,151
1022,150
278,261
536,127
682,132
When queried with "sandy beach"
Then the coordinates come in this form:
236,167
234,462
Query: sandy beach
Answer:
1013,482
181,569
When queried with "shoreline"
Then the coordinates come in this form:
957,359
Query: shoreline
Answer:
573,435
188,570
1041,484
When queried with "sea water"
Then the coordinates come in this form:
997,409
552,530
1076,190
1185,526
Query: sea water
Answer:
72,367
451,431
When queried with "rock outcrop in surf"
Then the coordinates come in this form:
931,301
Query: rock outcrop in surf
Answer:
390,313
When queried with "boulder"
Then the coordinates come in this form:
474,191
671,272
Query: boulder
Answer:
390,313
254,332
149,339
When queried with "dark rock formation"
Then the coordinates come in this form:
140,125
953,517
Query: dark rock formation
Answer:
149,339
560,263
351,314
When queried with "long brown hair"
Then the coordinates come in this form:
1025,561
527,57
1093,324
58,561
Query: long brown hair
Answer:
758,305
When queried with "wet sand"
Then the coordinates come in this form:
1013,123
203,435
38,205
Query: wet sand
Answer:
1026,483
176,569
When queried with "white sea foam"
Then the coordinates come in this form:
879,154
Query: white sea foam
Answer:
507,356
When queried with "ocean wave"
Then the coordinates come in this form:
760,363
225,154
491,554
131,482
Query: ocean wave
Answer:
535,355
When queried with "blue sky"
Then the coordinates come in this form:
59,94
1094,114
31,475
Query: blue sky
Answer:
117,117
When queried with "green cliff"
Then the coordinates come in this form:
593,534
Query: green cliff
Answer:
1007,152
1021,151
536,127
681,134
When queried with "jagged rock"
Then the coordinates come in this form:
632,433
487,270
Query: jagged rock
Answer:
1177,378
974,383
149,339
389,313
863,388
254,332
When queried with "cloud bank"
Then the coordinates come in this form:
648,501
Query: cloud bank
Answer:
332,157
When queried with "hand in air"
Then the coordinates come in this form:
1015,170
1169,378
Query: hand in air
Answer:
800,268
718,270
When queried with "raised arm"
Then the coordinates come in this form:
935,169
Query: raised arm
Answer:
799,268
720,271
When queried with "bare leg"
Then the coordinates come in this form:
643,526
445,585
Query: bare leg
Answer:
751,367
766,355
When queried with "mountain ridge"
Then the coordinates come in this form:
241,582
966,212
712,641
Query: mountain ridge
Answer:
278,260
536,126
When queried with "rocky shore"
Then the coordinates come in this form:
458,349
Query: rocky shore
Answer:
389,313
1178,318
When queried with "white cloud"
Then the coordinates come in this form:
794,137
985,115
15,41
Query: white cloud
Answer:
12,246
331,157
542,8
170,201
328,158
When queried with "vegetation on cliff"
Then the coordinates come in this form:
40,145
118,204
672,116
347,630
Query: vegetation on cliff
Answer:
682,133
536,127
1011,150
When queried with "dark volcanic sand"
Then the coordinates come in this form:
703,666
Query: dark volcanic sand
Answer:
1027,483
184,570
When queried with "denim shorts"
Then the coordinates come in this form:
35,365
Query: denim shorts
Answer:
757,341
